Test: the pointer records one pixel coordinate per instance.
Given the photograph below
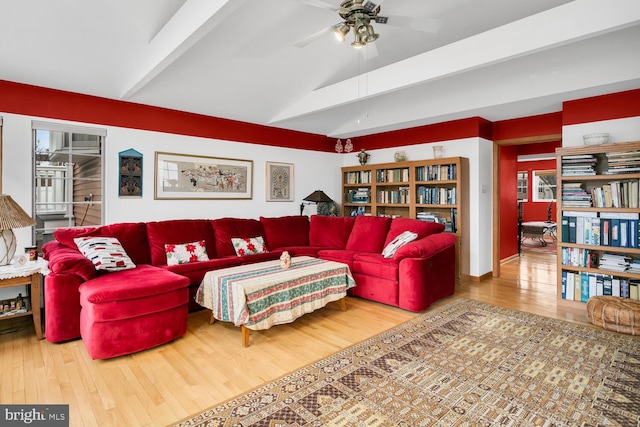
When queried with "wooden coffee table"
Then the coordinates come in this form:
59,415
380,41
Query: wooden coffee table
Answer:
258,296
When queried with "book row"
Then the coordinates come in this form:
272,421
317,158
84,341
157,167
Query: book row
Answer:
358,177
580,257
607,229
580,286
436,173
436,195
392,175
401,195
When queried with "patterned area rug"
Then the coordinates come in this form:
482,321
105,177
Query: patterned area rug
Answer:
463,364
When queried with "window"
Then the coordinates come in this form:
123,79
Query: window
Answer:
68,177
523,186
544,186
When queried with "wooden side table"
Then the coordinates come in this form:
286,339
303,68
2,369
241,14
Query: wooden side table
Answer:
29,275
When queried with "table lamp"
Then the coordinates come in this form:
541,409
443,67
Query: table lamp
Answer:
11,216
315,197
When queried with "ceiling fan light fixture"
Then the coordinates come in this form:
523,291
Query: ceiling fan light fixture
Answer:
341,30
360,40
371,34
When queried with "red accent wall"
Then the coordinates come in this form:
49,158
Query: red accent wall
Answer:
508,201
37,101
604,107
543,124
455,129
536,211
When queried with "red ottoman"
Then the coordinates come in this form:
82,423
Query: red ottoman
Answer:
132,310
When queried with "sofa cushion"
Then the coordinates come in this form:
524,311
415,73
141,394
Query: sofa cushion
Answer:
180,231
106,253
422,228
66,260
330,231
186,253
369,234
375,265
141,282
132,236
426,247
286,231
339,255
249,245
227,228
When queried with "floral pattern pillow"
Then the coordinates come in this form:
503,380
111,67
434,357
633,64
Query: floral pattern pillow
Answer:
106,253
186,253
249,245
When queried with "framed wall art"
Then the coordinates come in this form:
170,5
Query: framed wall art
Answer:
279,182
184,176
130,163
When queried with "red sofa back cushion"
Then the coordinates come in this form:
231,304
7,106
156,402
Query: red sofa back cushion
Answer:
330,232
285,231
421,228
161,233
227,228
132,236
369,234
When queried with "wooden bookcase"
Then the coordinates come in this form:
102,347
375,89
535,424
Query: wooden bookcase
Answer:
597,199
411,189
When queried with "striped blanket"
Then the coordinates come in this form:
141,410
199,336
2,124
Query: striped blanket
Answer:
261,295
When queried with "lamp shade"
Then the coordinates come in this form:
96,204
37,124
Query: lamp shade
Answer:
12,215
318,196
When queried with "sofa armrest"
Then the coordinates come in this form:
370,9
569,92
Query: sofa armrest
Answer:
425,247
65,260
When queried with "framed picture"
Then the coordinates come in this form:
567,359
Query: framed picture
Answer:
279,182
130,169
183,176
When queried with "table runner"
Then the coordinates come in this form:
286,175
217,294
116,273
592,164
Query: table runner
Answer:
261,295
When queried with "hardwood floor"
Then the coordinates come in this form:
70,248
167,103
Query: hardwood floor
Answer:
208,365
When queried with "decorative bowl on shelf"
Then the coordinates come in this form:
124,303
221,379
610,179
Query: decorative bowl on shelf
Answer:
595,138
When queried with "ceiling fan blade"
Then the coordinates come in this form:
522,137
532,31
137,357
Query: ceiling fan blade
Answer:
313,37
427,25
322,4
371,5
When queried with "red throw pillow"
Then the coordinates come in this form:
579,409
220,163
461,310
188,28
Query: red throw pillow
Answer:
330,232
286,231
369,234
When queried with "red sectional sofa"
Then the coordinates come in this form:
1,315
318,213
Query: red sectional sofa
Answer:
125,311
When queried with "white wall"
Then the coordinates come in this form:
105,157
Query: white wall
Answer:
619,130
480,154
313,171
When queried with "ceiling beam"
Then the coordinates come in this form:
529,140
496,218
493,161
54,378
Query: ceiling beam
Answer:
491,47
189,24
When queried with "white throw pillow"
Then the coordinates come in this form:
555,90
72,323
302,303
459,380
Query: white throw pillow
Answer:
401,240
106,253
249,245
186,253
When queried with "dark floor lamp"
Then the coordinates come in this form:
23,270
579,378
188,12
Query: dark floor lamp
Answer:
315,197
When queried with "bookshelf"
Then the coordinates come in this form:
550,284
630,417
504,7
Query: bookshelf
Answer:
414,189
598,213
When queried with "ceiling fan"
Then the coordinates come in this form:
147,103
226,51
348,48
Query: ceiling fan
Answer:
357,15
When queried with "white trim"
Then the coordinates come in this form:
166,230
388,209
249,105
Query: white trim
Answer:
63,127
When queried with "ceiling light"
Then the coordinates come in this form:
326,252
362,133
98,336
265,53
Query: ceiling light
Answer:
341,30
357,14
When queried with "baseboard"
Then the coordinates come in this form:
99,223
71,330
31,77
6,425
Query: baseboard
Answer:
486,275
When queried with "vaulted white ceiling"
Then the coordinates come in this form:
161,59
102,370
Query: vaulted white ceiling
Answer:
238,59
